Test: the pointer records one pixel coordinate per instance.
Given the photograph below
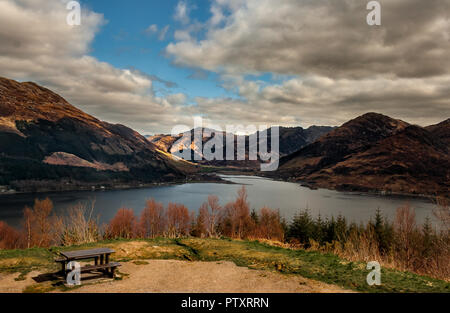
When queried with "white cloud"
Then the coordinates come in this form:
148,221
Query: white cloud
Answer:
318,100
152,29
182,12
163,33
243,37
37,45
341,66
322,37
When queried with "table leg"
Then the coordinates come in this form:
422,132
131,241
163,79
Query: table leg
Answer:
101,259
108,271
63,270
96,260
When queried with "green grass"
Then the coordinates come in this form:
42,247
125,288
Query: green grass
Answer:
327,268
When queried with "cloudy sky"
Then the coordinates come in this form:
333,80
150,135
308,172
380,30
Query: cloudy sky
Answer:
153,64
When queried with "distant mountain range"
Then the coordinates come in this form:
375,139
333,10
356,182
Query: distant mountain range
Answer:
44,138
48,144
375,152
291,139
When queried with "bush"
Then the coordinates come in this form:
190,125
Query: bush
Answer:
123,225
10,238
79,227
152,222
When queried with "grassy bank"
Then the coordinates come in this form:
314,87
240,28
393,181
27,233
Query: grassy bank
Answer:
327,268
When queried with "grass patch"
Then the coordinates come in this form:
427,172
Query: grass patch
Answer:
327,268
39,288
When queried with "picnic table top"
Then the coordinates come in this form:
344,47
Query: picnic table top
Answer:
86,253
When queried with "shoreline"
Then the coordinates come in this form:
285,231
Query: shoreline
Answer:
119,186
213,177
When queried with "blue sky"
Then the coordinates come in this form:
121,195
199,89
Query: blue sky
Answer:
123,42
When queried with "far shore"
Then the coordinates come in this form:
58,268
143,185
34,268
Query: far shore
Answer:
211,178
206,177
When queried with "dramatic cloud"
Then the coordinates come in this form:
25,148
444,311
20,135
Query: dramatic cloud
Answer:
323,101
341,66
328,65
323,37
38,45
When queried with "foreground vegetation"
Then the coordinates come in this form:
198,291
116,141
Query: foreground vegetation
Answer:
323,267
400,244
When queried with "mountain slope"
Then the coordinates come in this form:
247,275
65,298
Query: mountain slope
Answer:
441,131
43,137
374,152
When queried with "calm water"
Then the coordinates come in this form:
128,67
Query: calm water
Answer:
288,197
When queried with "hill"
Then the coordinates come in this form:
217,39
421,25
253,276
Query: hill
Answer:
45,138
375,152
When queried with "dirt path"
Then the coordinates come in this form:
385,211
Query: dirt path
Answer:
194,277
9,284
170,276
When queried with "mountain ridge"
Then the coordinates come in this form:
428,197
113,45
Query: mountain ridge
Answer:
43,137
375,152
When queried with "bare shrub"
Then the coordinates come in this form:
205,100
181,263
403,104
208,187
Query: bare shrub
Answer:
213,215
152,222
200,228
80,226
178,220
361,246
406,240
38,224
208,218
269,225
236,221
10,238
123,225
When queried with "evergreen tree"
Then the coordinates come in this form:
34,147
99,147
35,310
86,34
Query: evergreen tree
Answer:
301,228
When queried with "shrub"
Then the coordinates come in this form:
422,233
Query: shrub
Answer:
123,225
268,225
10,238
236,221
178,220
79,227
38,224
152,222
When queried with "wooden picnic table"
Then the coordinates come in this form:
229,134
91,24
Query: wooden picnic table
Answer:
100,255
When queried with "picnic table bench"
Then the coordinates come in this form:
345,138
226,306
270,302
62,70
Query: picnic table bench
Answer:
99,255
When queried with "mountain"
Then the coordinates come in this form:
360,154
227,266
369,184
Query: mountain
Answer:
441,131
375,152
291,140
45,138
170,144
